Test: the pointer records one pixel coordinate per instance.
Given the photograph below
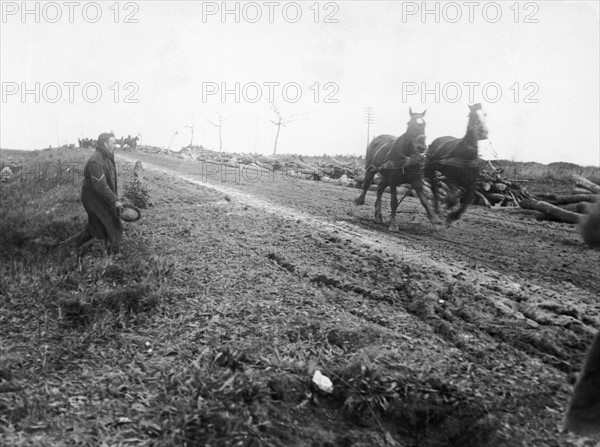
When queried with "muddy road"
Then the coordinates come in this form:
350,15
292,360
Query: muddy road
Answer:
503,303
502,242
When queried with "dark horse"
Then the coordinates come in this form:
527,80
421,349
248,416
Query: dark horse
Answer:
399,160
86,142
130,142
456,159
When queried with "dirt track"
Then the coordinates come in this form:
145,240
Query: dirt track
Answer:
496,244
508,301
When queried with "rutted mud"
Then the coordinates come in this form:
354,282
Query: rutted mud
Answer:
459,336
551,322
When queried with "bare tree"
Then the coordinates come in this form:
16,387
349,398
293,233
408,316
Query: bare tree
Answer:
171,140
192,137
219,125
280,121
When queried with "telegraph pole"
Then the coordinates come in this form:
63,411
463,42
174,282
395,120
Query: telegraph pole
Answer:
220,127
369,119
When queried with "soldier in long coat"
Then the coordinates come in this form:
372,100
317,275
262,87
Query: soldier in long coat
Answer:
99,196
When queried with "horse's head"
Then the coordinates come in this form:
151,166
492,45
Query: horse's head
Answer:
416,125
477,123
416,130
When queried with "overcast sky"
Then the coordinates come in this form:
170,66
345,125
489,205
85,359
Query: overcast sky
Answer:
533,65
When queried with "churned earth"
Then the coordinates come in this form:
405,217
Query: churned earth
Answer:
469,335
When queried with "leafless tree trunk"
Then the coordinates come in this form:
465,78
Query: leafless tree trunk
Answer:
276,137
192,137
280,121
219,124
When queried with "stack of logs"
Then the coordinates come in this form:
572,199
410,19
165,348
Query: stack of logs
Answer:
566,208
494,190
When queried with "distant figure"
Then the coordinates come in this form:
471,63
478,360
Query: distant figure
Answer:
589,226
583,413
99,197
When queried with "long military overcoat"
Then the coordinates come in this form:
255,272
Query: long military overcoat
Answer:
99,194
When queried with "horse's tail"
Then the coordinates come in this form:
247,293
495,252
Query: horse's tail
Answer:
371,149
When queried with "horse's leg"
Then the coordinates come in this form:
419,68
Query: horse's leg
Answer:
369,174
465,201
469,177
430,174
393,206
380,189
433,217
452,199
